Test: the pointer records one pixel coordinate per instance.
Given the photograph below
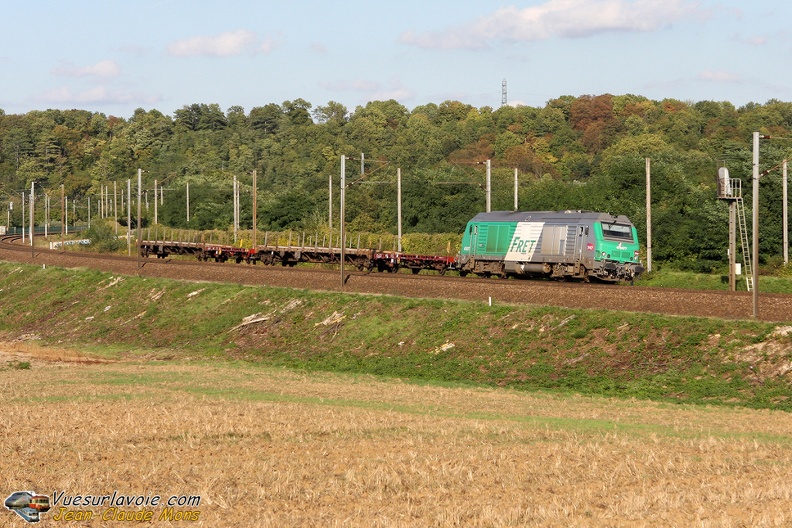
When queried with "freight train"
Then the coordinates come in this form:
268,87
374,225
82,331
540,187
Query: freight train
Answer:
582,245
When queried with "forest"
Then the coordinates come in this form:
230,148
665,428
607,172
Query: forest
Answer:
583,152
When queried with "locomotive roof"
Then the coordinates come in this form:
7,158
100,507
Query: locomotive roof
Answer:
545,216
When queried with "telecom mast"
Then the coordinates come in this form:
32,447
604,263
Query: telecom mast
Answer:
503,93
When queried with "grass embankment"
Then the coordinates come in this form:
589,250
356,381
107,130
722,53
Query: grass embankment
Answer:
530,348
780,283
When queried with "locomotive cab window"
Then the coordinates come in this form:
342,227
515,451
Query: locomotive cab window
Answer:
617,231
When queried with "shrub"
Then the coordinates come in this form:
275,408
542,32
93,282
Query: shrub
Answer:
103,237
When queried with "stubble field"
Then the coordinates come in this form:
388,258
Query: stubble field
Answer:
265,447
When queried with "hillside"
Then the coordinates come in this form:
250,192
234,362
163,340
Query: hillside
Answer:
583,152
595,352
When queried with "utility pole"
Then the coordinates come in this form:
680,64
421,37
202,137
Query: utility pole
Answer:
330,203
139,204
63,210
341,221
129,217
786,229
489,186
115,206
255,192
32,201
155,203
755,225
399,208
648,215
516,187
235,192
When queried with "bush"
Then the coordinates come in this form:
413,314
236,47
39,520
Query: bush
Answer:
103,237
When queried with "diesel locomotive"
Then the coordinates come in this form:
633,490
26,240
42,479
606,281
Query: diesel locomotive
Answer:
582,245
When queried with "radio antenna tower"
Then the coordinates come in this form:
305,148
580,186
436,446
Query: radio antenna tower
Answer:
503,93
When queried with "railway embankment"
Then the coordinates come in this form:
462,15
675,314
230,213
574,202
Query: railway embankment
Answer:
105,316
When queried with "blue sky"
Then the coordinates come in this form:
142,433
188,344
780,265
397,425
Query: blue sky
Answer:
113,57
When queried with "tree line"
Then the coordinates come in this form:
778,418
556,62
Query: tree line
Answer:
585,152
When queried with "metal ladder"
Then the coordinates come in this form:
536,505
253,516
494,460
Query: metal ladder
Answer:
746,250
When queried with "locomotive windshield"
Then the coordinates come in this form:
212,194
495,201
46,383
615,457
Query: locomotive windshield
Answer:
617,231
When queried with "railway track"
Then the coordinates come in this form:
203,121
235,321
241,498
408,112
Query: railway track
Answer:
699,303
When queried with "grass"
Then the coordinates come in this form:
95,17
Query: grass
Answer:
628,355
18,365
780,283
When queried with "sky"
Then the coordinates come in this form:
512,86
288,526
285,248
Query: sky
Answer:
113,56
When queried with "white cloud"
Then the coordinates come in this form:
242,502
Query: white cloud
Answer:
223,45
372,90
560,19
319,48
719,76
267,46
757,41
64,95
356,85
103,69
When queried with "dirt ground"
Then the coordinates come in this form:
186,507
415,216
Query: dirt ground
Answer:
263,447
722,304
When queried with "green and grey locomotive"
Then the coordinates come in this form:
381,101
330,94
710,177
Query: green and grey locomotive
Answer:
579,245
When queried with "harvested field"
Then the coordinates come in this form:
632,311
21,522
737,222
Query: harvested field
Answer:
265,447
